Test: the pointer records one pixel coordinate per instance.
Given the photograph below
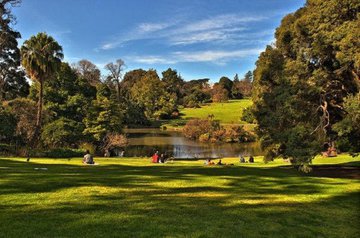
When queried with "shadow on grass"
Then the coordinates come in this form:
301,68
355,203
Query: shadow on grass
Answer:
172,201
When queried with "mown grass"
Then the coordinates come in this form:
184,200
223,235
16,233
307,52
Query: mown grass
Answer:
227,113
130,197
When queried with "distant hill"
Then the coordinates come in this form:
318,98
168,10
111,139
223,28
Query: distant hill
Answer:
227,113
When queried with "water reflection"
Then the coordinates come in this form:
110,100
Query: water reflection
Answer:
144,142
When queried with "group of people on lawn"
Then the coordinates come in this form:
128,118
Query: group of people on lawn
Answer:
242,160
162,158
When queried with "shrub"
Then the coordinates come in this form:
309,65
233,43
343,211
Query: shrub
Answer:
248,115
204,137
208,130
196,127
6,149
63,153
62,132
87,146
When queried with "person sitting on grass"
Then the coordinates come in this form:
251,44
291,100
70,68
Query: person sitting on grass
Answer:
155,157
162,159
219,163
88,158
251,159
242,159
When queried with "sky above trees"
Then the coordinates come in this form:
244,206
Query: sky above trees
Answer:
201,39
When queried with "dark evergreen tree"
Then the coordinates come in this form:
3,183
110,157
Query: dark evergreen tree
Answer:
12,79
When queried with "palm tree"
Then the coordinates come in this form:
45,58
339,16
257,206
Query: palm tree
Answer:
41,55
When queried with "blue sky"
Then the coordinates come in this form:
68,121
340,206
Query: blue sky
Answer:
198,38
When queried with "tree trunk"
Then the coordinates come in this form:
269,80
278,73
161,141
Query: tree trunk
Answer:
36,134
40,104
118,90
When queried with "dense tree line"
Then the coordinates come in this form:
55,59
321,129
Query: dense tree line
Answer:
306,86
68,106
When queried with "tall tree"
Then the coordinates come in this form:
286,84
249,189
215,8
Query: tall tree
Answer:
104,115
41,56
173,83
116,70
301,83
12,80
149,93
88,71
227,84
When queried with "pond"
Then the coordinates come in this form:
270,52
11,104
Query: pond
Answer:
144,142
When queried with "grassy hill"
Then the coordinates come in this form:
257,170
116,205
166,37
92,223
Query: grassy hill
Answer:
130,197
227,113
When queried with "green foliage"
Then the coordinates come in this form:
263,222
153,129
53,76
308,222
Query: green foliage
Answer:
61,153
41,56
248,115
209,130
7,125
196,92
348,129
24,112
88,146
196,97
300,84
103,116
12,81
62,132
242,88
227,84
149,94
173,84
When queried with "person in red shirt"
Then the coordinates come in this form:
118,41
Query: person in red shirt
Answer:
155,157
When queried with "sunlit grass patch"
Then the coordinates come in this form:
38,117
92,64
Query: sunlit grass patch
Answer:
131,197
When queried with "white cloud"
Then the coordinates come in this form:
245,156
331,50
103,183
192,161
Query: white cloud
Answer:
152,60
212,56
216,57
151,27
218,29
217,22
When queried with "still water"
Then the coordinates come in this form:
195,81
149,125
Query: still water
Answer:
144,142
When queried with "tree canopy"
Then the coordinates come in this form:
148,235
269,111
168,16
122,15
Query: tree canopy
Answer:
301,82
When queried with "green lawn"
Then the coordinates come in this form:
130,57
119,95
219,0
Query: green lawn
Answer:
133,198
227,113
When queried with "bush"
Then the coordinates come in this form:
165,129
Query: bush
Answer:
6,149
248,115
63,153
87,146
197,127
204,137
62,133
208,130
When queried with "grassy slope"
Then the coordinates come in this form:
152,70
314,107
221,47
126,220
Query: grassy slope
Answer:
133,198
227,113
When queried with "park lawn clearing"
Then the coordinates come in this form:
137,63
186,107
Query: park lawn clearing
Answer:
130,197
227,113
